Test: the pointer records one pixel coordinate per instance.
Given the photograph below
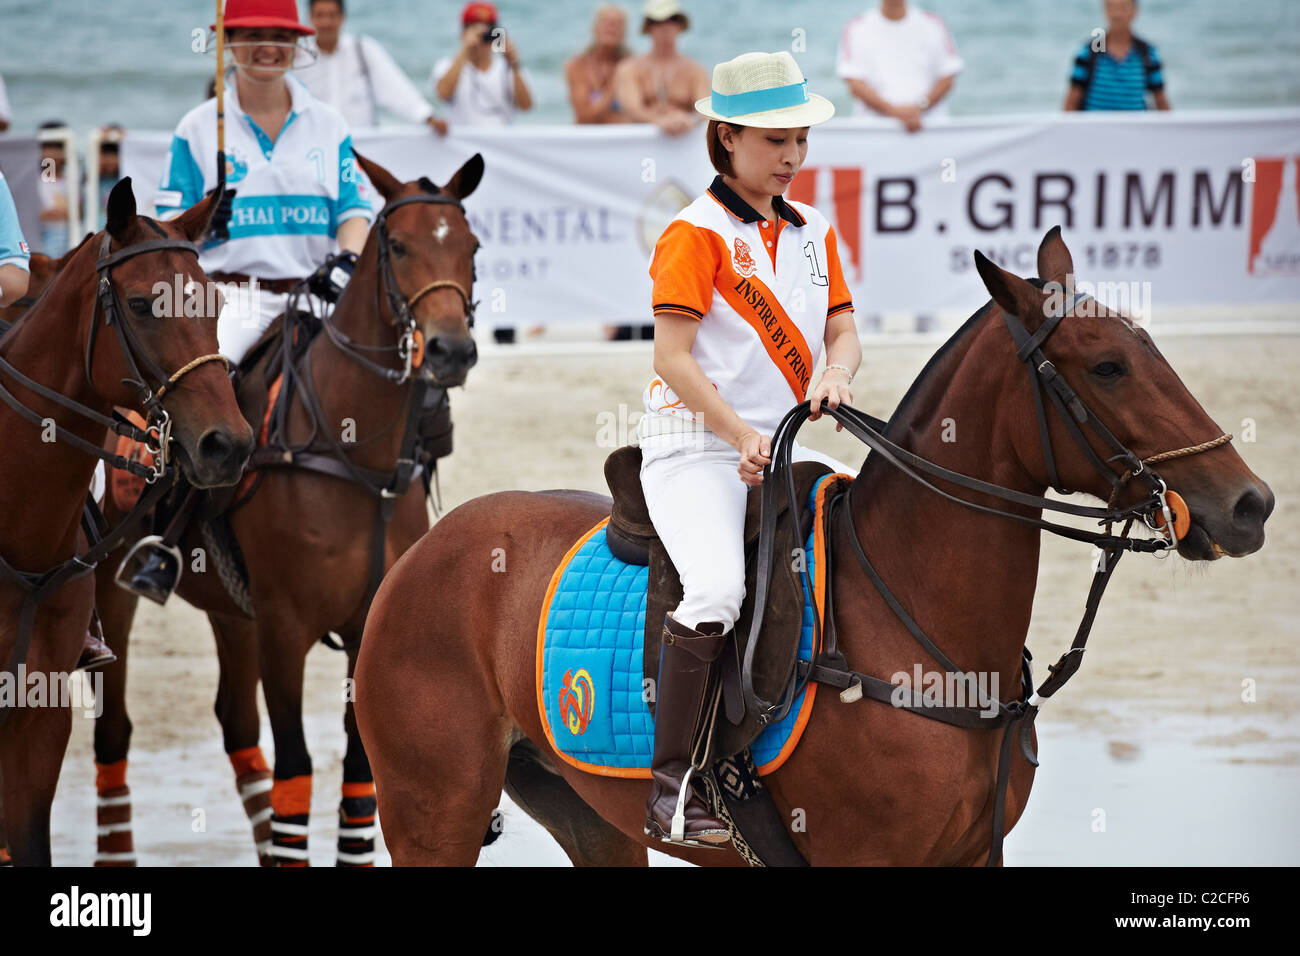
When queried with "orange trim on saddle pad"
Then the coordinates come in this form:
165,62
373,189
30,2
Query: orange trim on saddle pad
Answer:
819,608
631,772
820,545
250,475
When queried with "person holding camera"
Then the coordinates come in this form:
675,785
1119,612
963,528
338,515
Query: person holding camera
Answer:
483,84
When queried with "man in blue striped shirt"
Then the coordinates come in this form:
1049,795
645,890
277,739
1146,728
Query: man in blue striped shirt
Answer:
1117,71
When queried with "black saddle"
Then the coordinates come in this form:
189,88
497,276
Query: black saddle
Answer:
631,537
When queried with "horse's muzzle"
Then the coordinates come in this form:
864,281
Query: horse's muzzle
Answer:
219,457
449,359
1232,527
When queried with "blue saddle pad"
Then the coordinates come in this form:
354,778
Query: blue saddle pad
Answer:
592,694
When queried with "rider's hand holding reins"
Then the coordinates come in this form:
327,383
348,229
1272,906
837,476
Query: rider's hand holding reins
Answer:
755,453
834,388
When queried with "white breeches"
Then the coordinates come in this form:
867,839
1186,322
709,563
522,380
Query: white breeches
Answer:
696,501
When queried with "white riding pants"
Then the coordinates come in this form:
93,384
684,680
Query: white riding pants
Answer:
696,502
248,313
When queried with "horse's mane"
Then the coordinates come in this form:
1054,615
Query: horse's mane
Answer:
903,411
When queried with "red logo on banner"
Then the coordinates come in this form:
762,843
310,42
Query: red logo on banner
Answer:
1275,218
846,203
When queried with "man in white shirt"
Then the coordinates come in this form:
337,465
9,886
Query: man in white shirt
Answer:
481,87
355,75
898,62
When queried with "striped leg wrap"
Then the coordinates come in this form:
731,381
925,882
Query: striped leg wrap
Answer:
253,780
357,825
114,844
291,809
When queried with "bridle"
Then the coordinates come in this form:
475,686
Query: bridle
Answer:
830,666
38,586
401,309
156,437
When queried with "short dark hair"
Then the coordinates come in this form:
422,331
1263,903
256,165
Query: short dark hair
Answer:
718,154
313,3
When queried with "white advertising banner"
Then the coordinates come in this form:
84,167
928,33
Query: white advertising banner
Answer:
1183,209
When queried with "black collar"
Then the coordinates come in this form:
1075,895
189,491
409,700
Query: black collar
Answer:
745,212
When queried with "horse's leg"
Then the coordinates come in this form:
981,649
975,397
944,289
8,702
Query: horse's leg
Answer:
114,845
357,806
236,709
582,833
282,656
32,745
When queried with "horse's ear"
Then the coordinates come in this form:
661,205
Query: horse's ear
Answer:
383,180
121,209
1012,293
1054,261
193,222
467,177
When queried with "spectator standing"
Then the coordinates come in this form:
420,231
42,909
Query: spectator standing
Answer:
355,75
52,189
662,85
898,62
1117,72
110,167
590,74
483,84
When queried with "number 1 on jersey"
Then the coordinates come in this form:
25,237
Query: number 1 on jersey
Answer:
818,277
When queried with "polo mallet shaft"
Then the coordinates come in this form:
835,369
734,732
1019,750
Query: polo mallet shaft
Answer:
221,231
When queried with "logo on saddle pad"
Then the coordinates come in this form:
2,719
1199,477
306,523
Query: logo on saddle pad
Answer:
742,260
577,697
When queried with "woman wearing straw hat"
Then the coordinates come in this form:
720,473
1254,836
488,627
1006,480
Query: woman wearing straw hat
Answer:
748,294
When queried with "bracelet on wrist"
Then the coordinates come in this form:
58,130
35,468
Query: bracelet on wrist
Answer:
843,368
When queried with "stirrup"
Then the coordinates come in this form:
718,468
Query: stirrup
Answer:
149,543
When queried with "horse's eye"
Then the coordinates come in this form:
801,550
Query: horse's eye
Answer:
1108,370
397,248
140,305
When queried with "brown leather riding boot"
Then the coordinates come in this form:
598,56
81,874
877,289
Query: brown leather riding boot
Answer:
95,654
685,660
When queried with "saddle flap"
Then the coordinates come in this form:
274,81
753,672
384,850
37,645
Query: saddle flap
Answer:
774,660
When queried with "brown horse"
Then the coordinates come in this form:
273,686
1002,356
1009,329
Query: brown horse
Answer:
42,269
446,692
306,536
62,346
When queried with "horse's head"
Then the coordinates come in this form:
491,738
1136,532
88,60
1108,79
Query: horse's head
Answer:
166,324
424,238
1126,384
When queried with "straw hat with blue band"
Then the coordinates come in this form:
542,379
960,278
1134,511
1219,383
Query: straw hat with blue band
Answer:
767,90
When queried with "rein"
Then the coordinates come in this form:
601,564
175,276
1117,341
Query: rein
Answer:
39,586
830,666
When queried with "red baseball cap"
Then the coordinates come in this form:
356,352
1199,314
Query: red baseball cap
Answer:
478,13
263,13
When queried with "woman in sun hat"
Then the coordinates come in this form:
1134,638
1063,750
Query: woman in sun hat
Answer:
297,205
747,296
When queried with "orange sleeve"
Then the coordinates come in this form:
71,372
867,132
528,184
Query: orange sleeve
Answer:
838,300
683,268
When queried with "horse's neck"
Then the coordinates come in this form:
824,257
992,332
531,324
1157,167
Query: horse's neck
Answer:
351,393
967,578
45,480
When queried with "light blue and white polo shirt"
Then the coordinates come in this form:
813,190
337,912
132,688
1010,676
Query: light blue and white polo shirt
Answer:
291,194
13,248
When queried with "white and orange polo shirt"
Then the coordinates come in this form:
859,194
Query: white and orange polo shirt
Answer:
762,292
